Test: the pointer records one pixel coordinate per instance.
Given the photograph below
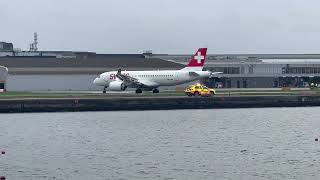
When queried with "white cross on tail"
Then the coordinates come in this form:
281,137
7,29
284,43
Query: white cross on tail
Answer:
199,57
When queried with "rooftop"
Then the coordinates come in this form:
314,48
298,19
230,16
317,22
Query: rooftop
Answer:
84,65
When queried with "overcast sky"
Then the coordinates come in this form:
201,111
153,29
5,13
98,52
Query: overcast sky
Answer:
164,26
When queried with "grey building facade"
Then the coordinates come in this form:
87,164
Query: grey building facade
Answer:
265,74
4,46
259,71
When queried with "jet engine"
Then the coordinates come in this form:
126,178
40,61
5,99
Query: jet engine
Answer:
117,86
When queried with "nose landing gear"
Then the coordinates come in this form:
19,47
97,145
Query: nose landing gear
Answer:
104,90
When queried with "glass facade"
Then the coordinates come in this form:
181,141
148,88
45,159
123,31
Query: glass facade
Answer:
301,70
263,75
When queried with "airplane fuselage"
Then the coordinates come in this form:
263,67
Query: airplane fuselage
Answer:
153,78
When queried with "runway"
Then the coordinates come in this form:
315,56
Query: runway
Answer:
128,100
162,94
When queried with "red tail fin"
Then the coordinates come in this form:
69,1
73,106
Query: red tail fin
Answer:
198,59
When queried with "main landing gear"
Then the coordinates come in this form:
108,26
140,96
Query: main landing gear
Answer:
155,91
104,90
138,91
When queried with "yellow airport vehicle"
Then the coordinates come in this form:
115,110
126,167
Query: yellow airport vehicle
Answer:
199,90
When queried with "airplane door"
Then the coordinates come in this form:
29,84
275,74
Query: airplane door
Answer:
176,77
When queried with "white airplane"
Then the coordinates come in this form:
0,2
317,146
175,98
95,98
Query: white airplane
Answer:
151,80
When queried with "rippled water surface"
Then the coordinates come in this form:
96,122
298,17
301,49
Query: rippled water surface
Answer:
270,143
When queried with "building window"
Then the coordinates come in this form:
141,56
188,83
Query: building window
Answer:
302,70
250,69
245,84
228,83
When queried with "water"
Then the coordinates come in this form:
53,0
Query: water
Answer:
269,143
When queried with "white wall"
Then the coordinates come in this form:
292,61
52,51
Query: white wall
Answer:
3,75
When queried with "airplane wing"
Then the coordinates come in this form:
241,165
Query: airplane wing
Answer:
134,82
128,80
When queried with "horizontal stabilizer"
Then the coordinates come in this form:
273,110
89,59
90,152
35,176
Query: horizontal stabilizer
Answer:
193,74
215,73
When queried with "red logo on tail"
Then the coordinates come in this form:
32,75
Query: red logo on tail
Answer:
198,59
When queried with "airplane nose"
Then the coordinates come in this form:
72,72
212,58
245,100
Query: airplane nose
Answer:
98,82
95,81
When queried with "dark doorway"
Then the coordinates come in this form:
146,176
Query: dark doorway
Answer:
245,84
238,84
228,83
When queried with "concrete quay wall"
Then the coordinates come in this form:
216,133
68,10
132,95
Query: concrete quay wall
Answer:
152,103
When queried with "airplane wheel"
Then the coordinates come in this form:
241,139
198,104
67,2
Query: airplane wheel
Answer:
155,91
104,91
138,91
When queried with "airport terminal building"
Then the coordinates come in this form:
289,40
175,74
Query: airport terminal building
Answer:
72,71
260,70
